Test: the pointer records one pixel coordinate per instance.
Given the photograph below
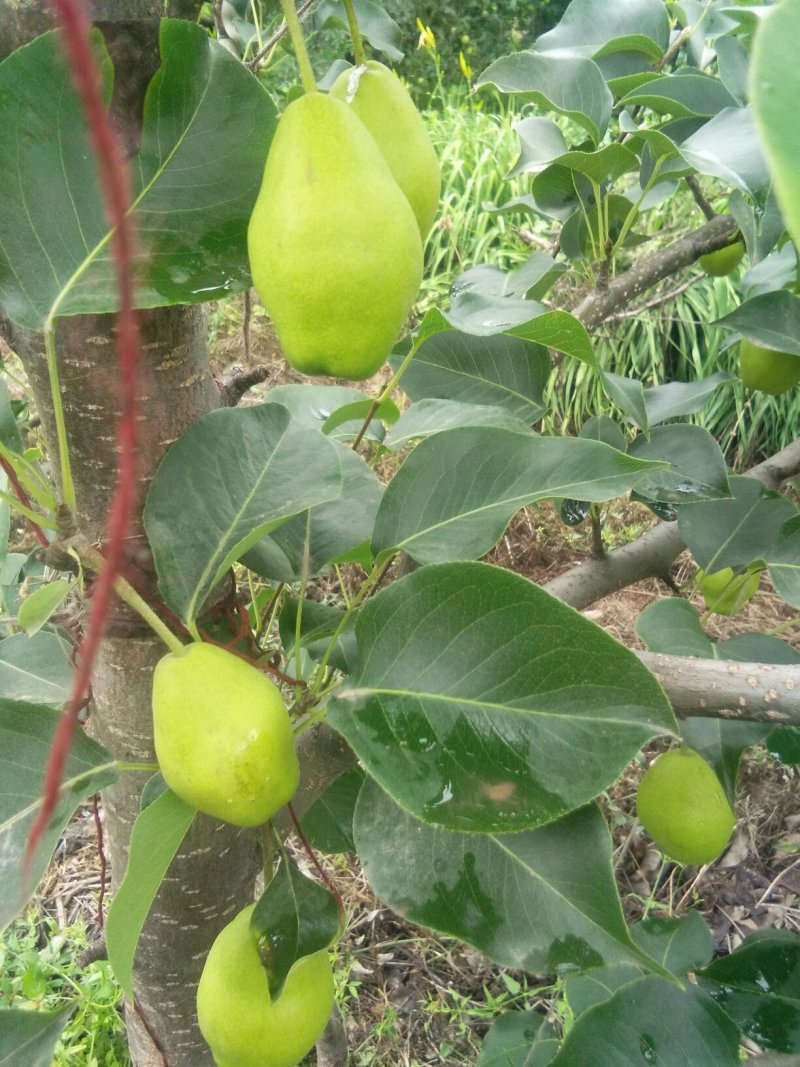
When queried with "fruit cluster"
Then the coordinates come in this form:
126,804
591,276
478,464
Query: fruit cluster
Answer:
225,745
350,189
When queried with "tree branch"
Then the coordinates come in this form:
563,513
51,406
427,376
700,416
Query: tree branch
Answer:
728,689
648,270
652,554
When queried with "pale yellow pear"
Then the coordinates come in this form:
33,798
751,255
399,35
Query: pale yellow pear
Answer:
334,247
243,1026
383,104
223,736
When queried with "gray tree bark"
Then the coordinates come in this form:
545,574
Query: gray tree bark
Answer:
213,875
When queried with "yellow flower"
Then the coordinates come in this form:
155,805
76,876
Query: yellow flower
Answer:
427,39
466,69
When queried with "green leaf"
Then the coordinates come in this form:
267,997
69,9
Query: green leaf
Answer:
190,205
519,1039
533,279
157,834
565,83
429,416
583,991
232,477
673,628
672,399
727,147
330,531
375,24
652,1021
456,492
538,900
294,917
628,395
541,143
26,734
775,87
28,1038
738,531
9,429
770,319
697,466
36,610
328,823
501,371
679,944
783,562
561,331
681,95
482,703
585,29
35,669
603,428
386,412
758,986
316,407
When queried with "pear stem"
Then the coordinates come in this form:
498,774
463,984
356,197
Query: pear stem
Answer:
299,45
355,33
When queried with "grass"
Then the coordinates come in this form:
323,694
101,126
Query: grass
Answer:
40,970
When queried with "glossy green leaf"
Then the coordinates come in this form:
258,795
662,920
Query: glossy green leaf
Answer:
157,834
356,413
26,733
681,95
783,562
294,917
568,84
586,30
697,468
652,1021
533,279
775,87
770,319
519,1039
36,610
672,399
28,1038
375,24
330,531
583,991
561,331
672,627
727,147
501,371
538,900
679,944
9,429
628,395
603,428
190,206
316,407
758,986
482,703
456,492
328,823
537,151
318,623
35,669
737,531
429,416
232,477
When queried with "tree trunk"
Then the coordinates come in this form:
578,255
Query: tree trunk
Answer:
213,876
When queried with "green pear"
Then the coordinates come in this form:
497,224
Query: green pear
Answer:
243,1026
382,103
767,369
223,737
334,247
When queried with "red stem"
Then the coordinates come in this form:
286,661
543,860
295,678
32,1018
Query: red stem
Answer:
23,498
313,857
75,29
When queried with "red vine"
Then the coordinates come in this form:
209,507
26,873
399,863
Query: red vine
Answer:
75,29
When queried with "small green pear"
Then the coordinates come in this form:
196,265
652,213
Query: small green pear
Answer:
767,369
223,737
334,247
383,104
243,1026
723,261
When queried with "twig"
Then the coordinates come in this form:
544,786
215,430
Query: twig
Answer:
101,852
657,301
280,33
700,200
